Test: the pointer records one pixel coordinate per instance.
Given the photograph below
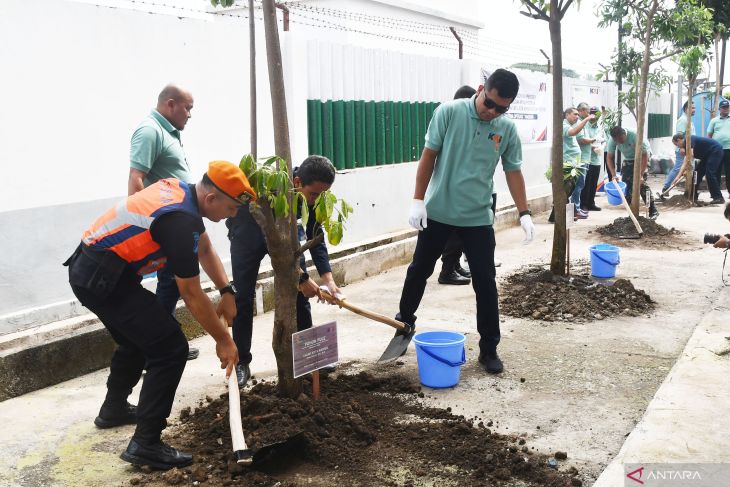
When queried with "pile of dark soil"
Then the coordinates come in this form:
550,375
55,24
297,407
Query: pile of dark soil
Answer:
676,201
364,431
534,292
655,235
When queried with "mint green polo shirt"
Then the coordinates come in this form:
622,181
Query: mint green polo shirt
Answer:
157,151
571,149
585,149
591,131
720,129
460,190
681,125
628,148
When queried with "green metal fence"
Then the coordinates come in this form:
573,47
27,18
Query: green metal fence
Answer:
357,133
660,125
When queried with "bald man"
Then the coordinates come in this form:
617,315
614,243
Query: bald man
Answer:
157,153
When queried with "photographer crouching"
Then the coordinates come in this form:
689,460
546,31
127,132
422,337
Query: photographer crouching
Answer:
719,241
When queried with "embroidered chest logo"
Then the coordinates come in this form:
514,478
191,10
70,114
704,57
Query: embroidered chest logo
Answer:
496,138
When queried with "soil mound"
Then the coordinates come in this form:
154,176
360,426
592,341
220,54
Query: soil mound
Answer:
365,430
655,235
534,292
624,227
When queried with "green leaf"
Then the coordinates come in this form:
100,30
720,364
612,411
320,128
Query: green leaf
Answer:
270,161
247,165
330,200
346,209
295,203
320,208
281,206
334,233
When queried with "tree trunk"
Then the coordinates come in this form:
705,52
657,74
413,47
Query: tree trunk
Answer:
641,110
281,235
718,82
557,261
252,78
689,157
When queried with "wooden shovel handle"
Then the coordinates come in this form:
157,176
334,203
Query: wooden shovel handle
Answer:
363,312
628,208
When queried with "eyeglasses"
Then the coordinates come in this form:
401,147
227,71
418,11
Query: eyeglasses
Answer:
492,105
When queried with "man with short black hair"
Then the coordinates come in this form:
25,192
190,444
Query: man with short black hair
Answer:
248,248
710,154
465,140
625,141
160,226
593,131
156,153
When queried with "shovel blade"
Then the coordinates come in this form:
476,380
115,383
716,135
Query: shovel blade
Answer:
397,347
279,451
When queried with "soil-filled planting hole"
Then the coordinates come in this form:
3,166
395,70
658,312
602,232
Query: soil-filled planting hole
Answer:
365,430
655,236
534,292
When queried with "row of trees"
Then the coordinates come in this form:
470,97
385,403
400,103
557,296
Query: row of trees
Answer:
650,32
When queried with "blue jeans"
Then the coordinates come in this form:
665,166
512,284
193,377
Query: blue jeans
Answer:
580,182
167,291
678,161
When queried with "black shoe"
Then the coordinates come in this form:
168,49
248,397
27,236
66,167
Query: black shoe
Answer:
653,213
157,455
718,201
491,362
243,374
193,353
453,278
111,417
592,208
462,272
551,218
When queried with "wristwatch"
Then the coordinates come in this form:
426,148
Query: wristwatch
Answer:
525,212
303,277
230,288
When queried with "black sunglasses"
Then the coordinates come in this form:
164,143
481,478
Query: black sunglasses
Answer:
491,105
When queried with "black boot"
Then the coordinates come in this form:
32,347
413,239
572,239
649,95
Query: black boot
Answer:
453,278
111,416
491,362
156,455
462,272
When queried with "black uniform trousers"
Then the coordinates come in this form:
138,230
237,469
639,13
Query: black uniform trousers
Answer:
588,195
454,248
146,333
479,246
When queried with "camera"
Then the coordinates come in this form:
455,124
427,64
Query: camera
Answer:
711,238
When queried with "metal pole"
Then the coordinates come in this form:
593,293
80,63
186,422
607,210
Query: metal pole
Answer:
548,60
285,10
461,44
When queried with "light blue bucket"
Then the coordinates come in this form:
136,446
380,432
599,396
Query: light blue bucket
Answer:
613,195
440,355
604,259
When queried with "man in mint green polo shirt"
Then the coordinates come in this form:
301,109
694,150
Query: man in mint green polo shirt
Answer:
156,153
465,140
625,141
719,130
594,132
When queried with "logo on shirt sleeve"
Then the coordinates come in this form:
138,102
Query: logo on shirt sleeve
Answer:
196,240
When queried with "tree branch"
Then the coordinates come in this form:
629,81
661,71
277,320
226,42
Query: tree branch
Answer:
660,58
538,13
565,9
309,244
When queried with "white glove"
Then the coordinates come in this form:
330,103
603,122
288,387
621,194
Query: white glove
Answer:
418,216
528,227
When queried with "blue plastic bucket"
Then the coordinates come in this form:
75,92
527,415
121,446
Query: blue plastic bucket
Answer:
613,195
604,259
440,355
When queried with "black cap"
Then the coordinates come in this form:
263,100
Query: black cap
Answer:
724,103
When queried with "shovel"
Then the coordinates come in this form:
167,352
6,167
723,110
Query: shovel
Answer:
241,452
631,214
398,344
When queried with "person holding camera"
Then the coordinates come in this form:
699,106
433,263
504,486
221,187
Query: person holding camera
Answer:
720,241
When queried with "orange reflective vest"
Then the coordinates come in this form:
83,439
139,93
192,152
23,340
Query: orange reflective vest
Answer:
125,229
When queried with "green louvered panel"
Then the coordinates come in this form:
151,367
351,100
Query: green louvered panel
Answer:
359,133
660,125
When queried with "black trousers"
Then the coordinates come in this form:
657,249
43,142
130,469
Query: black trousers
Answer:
627,176
725,165
146,333
710,166
454,248
479,246
588,195
246,256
